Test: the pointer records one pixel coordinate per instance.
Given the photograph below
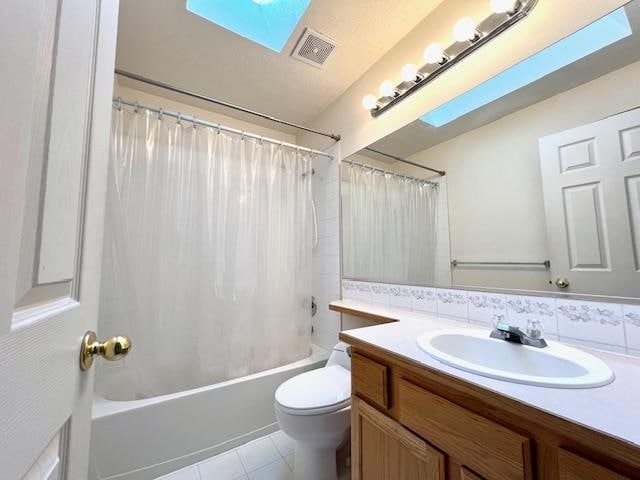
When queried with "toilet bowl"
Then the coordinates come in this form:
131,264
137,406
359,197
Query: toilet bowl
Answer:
314,408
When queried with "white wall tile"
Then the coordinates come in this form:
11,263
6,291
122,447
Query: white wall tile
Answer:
590,321
631,315
349,290
484,307
363,291
452,303
605,326
521,308
325,283
326,322
380,294
400,296
423,299
324,339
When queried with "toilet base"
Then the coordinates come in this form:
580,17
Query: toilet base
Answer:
314,464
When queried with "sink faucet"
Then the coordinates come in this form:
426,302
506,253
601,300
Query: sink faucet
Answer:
504,331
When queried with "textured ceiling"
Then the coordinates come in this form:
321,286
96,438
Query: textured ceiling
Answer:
161,40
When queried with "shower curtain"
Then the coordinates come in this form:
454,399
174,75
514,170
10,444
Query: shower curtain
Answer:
389,226
207,260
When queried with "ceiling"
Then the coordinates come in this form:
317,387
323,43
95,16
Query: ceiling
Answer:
163,41
418,136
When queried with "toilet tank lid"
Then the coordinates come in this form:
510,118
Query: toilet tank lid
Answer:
320,388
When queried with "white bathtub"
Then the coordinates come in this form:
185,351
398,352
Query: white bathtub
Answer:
143,439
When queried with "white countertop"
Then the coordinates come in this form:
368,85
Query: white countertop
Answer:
613,409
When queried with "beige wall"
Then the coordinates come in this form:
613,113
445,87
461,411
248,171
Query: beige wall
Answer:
496,209
550,21
157,101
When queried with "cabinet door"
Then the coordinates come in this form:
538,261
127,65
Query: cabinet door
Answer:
466,474
573,467
483,446
383,450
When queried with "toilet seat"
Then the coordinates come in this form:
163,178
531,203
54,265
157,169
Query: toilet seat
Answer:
316,392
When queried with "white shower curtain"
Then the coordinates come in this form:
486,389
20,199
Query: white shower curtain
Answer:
389,226
207,252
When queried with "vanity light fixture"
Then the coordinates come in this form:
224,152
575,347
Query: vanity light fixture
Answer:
468,36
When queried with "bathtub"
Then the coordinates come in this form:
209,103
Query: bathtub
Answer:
143,439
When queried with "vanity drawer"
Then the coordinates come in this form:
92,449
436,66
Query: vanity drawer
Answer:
489,449
370,380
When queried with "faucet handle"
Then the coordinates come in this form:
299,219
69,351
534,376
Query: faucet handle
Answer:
498,320
534,329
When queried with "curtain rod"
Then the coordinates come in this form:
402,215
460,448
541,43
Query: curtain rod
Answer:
378,169
222,103
442,173
191,119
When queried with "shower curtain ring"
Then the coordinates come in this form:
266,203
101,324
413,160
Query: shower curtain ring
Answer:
119,103
179,121
160,113
261,141
136,107
195,122
218,128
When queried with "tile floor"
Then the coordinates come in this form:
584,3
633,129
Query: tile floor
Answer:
267,458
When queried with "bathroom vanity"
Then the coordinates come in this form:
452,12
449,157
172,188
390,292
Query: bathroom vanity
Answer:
416,418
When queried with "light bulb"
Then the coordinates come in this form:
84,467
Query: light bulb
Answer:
387,89
464,29
369,102
409,72
433,53
502,6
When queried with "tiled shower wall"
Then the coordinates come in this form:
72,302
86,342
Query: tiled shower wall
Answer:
442,273
607,326
326,256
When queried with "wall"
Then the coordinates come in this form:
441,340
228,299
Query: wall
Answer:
605,326
326,256
496,209
549,22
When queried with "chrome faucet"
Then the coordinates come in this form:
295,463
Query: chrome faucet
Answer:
532,337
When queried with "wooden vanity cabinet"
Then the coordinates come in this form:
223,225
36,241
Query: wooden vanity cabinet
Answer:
414,423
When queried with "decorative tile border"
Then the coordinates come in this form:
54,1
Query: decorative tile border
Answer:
605,326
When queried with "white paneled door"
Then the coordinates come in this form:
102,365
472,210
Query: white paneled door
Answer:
591,182
56,72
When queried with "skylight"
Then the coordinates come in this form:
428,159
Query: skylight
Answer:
267,22
585,41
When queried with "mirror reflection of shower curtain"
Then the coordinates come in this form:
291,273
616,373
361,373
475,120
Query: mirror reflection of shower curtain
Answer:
207,252
389,227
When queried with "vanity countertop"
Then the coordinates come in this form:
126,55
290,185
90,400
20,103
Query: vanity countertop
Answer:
613,409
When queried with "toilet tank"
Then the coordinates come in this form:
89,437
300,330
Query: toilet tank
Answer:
340,355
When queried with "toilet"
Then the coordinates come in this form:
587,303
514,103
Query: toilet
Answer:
314,408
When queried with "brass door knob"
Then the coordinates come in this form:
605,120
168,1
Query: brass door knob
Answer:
112,349
562,282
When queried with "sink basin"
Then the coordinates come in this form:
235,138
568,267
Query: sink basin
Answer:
556,365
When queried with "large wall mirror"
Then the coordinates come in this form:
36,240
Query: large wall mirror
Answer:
542,183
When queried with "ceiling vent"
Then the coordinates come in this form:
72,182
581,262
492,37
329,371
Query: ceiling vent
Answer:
313,48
